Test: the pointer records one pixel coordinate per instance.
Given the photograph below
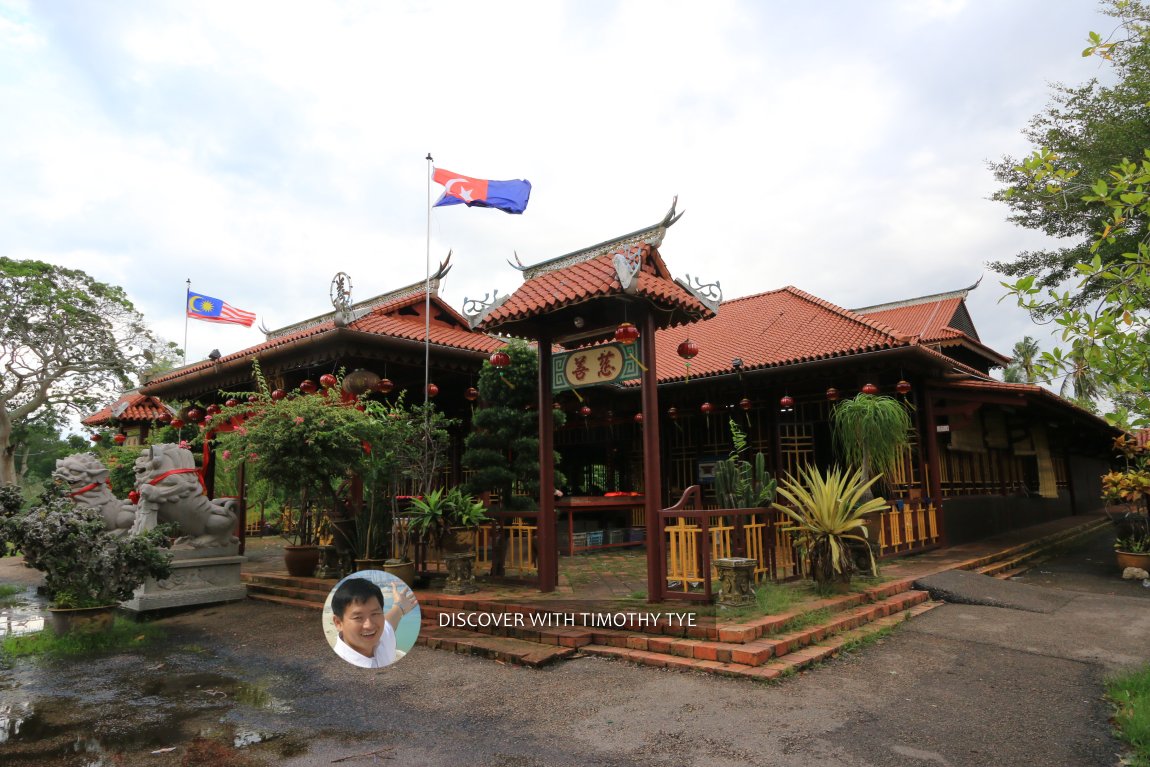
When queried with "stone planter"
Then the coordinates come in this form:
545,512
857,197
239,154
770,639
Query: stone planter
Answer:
301,561
82,620
402,569
736,581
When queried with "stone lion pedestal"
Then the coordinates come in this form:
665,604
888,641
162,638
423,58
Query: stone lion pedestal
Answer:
199,577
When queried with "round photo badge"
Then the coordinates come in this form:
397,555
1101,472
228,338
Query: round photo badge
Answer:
371,619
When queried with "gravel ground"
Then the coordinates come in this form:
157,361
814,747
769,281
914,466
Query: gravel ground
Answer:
963,685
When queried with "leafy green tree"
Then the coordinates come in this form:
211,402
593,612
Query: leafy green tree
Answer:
1085,129
68,343
502,449
1105,316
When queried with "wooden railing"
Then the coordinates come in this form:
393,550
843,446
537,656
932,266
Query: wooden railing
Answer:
906,527
694,537
519,532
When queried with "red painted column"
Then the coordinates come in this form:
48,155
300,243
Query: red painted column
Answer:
930,441
548,553
652,474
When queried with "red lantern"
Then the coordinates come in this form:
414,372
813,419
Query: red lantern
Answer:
638,418
278,394
195,415
95,438
556,406
626,334
832,394
119,438
471,394
213,409
383,386
787,402
745,404
902,387
585,411
500,359
164,417
327,380
232,402
253,398
869,389
308,386
432,390
673,413
706,408
688,349
177,423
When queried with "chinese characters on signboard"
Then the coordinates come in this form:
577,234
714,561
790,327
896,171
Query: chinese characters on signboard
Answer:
609,363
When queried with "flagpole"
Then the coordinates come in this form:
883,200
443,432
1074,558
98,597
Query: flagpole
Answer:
187,292
427,295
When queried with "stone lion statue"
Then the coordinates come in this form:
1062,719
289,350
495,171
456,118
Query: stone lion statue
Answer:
170,491
87,481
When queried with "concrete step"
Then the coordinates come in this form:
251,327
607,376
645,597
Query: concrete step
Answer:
1040,545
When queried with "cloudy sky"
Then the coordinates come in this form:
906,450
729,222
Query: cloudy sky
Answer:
259,147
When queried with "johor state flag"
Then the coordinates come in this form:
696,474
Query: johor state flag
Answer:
201,307
509,196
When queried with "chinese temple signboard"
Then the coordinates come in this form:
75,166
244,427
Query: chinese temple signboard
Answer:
609,363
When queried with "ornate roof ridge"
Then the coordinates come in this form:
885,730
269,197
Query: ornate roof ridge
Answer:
651,235
935,297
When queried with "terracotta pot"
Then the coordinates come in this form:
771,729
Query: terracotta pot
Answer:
301,561
1130,559
82,620
402,569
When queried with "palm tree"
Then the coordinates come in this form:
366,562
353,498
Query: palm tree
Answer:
1081,382
1021,368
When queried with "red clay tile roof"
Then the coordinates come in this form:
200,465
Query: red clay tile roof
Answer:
384,321
929,321
136,407
1033,390
779,327
583,280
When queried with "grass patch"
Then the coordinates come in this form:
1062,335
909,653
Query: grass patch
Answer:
637,595
9,594
866,640
124,635
772,598
806,620
1130,694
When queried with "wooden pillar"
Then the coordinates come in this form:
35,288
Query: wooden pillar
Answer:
652,476
930,440
548,552
242,481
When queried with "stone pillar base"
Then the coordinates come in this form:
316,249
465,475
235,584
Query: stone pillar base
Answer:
199,577
460,574
736,581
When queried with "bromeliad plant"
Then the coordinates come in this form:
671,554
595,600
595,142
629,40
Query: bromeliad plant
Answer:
827,515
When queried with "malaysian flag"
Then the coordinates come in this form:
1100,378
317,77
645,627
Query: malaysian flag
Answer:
201,307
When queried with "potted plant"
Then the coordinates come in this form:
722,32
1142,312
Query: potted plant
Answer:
447,519
739,484
827,517
872,432
1131,489
87,570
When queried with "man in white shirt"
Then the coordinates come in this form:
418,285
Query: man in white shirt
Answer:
366,633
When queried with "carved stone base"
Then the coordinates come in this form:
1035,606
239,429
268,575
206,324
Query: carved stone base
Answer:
736,581
460,574
199,577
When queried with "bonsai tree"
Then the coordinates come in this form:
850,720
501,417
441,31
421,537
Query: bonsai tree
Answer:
827,517
502,450
83,564
872,432
740,484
